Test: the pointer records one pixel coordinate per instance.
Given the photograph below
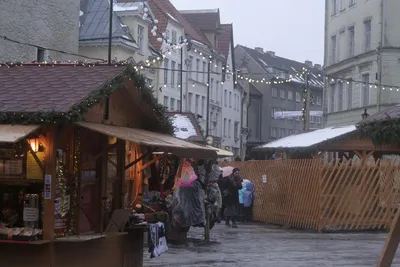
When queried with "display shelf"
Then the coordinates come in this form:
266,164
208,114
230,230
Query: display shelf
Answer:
37,242
86,238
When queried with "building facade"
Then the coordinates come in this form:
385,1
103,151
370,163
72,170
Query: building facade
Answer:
361,58
24,21
277,84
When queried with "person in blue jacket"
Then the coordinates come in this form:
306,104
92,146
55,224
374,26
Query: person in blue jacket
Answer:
248,201
241,204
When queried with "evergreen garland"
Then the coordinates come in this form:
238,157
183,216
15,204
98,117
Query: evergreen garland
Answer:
77,112
385,132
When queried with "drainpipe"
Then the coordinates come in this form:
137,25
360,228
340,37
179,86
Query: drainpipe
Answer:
380,65
325,96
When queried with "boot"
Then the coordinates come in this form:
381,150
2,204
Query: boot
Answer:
227,221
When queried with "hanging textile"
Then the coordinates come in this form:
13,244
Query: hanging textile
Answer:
157,240
188,176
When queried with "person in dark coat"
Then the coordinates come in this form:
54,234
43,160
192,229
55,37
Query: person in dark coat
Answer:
229,188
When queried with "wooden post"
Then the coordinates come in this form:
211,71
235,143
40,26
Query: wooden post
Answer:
391,243
102,168
118,199
50,172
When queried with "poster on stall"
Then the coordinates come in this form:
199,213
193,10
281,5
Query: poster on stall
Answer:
264,179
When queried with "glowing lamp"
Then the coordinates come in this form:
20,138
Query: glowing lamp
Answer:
34,143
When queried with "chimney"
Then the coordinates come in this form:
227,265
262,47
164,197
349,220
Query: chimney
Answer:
308,63
318,66
259,49
271,53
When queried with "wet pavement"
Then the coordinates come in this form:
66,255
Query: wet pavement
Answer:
260,246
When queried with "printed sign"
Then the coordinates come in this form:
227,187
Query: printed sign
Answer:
47,186
264,178
31,214
57,204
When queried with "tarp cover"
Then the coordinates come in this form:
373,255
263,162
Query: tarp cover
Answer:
188,206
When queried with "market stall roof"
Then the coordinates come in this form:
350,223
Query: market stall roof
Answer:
307,140
13,133
164,142
222,153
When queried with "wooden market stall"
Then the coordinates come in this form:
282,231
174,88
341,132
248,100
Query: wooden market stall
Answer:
61,127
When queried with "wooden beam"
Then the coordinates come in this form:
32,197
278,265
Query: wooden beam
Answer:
136,160
38,161
98,155
147,164
50,172
103,175
391,243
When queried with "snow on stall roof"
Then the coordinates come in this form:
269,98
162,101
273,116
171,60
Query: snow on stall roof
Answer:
184,127
130,6
309,139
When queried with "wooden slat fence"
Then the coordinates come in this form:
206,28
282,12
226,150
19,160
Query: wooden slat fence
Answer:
309,194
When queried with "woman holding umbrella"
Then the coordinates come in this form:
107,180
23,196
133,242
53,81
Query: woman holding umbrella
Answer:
229,186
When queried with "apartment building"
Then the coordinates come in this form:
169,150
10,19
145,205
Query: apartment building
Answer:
24,21
361,58
277,85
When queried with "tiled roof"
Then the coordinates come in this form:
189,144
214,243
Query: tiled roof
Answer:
176,116
203,19
94,23
31,88
163,11
390,113
225,39
289,66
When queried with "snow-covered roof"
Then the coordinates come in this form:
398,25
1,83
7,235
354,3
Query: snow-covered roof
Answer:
309,139
184,127
130,6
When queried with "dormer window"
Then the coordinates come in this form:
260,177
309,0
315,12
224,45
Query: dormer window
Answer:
140,38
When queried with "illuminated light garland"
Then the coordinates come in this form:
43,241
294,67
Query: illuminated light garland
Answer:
73,218
61,185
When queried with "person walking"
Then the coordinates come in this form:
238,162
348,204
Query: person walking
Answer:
230,191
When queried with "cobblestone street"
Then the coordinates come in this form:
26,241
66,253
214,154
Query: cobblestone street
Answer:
259,245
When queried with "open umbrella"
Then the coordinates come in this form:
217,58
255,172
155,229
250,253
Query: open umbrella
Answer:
226,171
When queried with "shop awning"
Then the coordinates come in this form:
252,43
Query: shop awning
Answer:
164,142
13,133
222,153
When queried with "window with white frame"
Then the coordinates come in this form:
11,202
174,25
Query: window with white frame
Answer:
349,95
174,40
367,35
351,36
204,72
197,102
343,5
178,104
341,45
229,128
282,93
167,35
236,130
197,69
333,49
226,98
230,99
352,3
203,105
290,95
212,89
166,65
365,87
179,75
273,132
274,92
335,7
340,96
298,97
190,96
172,104
173,63
140,38
332,98
273,110
190,66
224,126
166,101
319,101
217,91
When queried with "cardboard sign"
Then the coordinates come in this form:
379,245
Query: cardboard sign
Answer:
47,186
31,214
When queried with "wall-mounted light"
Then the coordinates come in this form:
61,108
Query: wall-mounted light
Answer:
34,143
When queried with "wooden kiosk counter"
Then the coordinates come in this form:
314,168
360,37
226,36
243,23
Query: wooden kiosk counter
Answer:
61,128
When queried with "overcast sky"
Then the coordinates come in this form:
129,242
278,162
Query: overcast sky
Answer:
292,28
